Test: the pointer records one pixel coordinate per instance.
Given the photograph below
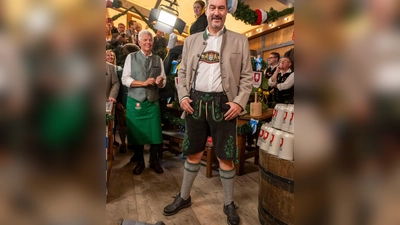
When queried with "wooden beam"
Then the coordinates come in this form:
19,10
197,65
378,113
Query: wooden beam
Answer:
276,46
146,13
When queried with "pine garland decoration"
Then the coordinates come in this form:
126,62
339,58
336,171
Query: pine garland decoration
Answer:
144,19
116,4
245,14
249,16
121,14
109,118
174,120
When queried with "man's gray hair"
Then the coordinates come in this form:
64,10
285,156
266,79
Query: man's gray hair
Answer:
144,32
208,4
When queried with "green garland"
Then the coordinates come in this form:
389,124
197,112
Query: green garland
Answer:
145,20
174,120
249,16
121,14
116,4
243,12
108,118
246,128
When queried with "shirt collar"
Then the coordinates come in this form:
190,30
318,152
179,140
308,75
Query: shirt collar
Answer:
207,33
273,67
288,71
145,54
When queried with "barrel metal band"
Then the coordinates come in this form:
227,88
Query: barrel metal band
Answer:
271,218
277,181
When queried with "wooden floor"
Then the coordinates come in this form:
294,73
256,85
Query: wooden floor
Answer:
143,198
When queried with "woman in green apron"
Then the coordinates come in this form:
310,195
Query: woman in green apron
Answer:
143,75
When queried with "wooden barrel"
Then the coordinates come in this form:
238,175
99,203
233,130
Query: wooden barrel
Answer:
276,190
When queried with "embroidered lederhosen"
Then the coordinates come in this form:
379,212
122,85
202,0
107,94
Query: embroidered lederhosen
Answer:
209,110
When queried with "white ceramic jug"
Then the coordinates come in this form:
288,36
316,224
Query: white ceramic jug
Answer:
281,108
266,138
286,117
286,146
261,134
291,122
275,142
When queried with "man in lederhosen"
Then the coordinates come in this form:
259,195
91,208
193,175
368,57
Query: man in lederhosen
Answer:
215,81
143,74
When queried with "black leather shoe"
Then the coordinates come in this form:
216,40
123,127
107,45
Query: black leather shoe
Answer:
122,149
155,165
230,211
138,168
116,143
177,205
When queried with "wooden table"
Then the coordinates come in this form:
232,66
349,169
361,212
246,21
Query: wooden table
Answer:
241,141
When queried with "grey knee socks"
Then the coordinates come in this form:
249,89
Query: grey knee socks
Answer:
227,184
189,174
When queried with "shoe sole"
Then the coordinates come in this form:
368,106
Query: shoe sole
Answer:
227,221
179,209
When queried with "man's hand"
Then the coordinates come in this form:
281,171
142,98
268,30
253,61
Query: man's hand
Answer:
185,105
233,112
159,81
111,99
150,81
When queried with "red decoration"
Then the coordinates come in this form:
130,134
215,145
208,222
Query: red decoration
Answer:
261,16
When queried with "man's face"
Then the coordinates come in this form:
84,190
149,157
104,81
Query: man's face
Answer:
272,60
285,63
121,28
138,28
160,34
146,43
216,14
109,22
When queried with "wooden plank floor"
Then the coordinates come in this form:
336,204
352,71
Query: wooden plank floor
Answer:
143,198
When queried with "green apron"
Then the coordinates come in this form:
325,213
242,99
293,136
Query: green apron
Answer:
143,122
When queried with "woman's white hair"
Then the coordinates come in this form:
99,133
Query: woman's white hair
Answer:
144,32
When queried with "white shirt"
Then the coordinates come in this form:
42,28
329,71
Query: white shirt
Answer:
289,82
127,74
208,78
172,40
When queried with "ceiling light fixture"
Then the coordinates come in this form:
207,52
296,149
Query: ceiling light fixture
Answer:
166,18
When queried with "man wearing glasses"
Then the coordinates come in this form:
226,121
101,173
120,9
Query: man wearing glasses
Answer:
273,61
283,82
